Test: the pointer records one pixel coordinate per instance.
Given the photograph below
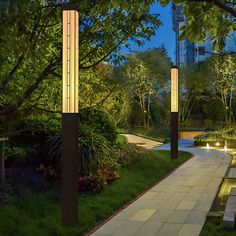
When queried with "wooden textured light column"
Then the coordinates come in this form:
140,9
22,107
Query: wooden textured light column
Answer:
70,156
174,111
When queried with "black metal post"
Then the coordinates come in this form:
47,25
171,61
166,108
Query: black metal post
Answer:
174,135
69,169
2,174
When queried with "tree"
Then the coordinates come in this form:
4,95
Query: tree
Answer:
224,69
194,85
212,19
147,73
141,85
30,47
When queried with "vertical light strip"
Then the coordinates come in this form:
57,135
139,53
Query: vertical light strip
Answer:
174,89
65,63
70,61
77,64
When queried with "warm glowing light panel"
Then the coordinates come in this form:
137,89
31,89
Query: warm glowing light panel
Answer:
174,90
70,66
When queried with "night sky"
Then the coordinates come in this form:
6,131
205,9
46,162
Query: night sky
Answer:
164,35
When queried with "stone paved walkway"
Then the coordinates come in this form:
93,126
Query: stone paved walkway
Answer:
178,205
140,141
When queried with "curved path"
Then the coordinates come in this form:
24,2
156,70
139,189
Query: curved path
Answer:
178,205
140,141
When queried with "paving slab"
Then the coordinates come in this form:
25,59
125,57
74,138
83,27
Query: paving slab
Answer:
169,229
143,142
190,229
232,173
178,205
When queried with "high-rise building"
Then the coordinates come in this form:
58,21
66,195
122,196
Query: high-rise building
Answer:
188,52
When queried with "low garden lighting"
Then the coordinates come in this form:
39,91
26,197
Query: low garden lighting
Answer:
70,71
207,145
217,144
225,148
174,111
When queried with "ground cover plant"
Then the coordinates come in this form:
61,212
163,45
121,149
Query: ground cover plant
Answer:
39,214
213,136
221,136
214,227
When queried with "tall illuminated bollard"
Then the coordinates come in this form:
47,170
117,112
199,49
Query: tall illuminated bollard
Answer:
70,158
174,111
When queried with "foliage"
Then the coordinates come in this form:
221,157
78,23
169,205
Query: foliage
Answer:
194,84
16,153
208,123
147,74
50,152
105,174
94,150
30,76
230,133
129,154
214,227
213,136
223,69
214,110
120,141
207,19
40,214
92,147
217,135
100,121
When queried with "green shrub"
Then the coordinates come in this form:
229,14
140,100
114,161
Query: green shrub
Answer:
229,133
128,154
213,110
120,141
17,153
42,123
100,122
208,123
214,136
93,148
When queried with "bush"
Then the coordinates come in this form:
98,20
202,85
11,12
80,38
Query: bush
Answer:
16,153
229,133
128,154
208,123
214,136
100,122
120,141
37,129
93,148
213,110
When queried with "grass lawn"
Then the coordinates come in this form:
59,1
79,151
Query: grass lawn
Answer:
214,227
39,214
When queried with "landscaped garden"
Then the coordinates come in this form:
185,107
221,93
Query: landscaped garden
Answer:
123,88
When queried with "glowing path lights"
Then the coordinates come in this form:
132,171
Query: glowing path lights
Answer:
70,158
174,111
